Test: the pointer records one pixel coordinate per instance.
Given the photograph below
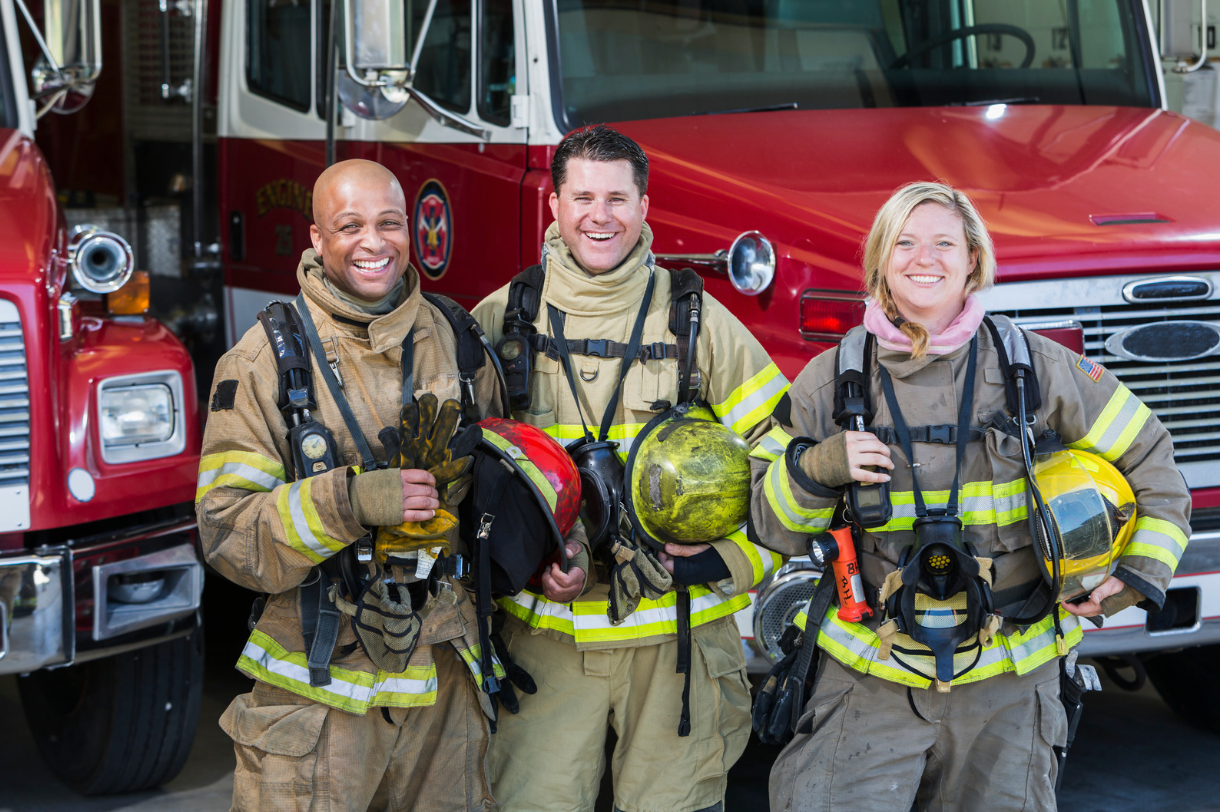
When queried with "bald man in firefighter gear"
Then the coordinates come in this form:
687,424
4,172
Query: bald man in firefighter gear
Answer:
592,674
358,737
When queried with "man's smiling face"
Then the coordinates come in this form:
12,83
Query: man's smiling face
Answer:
600,212
360,229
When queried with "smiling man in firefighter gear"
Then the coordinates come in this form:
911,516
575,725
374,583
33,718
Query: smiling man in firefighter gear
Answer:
592,673
355,736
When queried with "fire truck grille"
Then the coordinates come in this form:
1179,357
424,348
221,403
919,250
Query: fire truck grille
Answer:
14,407
1185,395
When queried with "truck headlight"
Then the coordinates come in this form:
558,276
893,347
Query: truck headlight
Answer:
136,414
140,417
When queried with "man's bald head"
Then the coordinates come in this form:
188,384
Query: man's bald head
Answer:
363,173
360,228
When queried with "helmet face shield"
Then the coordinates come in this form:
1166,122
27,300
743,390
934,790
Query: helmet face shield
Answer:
1092,510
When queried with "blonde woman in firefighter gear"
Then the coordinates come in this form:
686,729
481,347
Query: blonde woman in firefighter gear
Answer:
370,726
603,658
890,722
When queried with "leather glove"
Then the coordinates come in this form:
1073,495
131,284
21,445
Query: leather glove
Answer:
637,574
516,676
429,439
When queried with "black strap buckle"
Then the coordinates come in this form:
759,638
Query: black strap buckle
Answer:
942,434
656,350
598,347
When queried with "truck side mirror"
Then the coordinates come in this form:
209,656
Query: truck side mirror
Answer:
71,43
1178,37
379,77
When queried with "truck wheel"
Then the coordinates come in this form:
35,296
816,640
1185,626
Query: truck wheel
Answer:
1187,681
119,724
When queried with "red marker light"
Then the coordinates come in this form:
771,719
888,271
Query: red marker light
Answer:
828,315
1069,334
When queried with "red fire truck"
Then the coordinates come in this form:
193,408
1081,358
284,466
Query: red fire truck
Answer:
775,128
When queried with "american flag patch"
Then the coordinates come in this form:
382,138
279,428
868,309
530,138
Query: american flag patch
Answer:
1089,368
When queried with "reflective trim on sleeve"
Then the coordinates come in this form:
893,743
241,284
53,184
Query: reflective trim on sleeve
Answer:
790,513
1158,539
302,525
773,445
586,620
1116,427
762,560
353,691
753,401
238,469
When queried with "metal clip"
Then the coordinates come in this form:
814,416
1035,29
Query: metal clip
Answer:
364,550
334,367
485,525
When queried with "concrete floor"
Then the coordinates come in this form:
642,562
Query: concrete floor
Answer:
1131,755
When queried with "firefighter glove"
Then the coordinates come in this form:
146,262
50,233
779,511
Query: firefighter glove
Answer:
385,623
637,574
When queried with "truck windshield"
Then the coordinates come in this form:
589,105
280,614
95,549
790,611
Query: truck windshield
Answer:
633,59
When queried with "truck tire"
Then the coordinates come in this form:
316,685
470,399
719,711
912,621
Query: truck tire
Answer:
1188,681
119,724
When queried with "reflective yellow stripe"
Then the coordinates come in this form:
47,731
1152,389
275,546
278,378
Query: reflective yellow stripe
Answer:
586,621
1158,539
773,445
753,401
856,646
1116,427
473,658
238,469
982,503
353,691
783,504
302,525
530,469
762,560
624,434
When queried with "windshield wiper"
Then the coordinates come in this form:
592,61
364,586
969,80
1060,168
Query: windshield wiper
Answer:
769,109
989,102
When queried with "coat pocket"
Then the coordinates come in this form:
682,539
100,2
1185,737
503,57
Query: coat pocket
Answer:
277,749
720,701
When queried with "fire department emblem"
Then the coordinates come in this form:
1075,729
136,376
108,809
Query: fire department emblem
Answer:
433,229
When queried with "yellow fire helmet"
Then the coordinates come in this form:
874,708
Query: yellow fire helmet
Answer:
688,478
1093,512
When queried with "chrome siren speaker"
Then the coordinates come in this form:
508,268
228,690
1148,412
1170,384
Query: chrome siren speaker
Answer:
101,261
780,602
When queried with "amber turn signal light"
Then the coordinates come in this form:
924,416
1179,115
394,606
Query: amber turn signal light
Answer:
132,298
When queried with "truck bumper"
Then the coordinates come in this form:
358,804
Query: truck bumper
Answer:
142,585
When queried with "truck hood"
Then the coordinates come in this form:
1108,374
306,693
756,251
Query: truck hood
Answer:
28,209
1082,189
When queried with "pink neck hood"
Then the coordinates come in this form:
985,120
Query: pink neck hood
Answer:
958,333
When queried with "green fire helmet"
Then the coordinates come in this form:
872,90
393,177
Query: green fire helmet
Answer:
688,478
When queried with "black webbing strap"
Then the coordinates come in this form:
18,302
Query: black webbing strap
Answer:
819,602
945,434
629,355
483,601
963,431
328,375
684,658
603,348
319,627
408,368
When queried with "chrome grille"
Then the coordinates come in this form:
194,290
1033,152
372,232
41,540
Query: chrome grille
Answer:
1185,395
14,404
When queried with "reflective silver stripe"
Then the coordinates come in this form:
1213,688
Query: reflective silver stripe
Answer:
778,474
771,447
1118,426
755,399
246,472
338,687
300,524
1027,648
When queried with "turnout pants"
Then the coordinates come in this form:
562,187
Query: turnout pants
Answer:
867,743
551,756
296,755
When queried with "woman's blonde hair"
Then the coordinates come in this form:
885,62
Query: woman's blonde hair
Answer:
883,236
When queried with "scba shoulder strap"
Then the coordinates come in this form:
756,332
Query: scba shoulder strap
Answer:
521,339
853,373
472,349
